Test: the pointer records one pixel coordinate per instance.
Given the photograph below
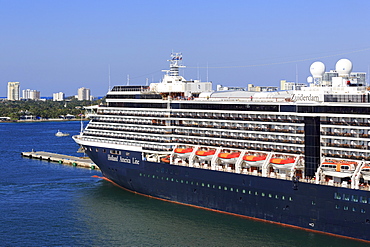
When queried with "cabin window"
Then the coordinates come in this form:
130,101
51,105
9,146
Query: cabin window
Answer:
363,199
262,194
202,184
337,196
225,188
171,179
353,209
115,152
243,191
282,197
290,198
363,211
270,196
276,197
219,187
313,203
140,174
355,198
345,208
256,193
337,207
345,197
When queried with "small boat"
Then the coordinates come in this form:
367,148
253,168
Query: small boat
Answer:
205,154
339,166
365,170
229,158
59,134
166,159
183,152
281,163
253,160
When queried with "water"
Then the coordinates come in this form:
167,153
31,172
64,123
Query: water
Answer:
49,204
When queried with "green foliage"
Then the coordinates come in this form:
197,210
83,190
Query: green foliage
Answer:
43,109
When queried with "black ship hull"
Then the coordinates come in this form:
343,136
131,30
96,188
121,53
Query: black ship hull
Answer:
327,209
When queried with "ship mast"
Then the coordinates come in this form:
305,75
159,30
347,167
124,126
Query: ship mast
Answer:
175,64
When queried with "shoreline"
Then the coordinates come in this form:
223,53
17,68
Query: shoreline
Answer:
44,120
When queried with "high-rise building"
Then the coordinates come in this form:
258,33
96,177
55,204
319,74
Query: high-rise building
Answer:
286,85
30,94
58,96
13,90
83,94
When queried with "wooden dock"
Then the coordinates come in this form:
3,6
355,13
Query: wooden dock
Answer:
84,162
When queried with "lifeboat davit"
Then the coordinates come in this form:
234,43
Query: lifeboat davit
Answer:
183,152
280,163
253,160
229,158
205,155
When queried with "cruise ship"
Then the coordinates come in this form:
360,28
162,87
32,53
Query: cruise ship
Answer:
298,157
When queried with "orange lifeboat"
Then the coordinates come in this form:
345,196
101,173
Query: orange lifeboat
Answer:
205,155
229,158
183,152
339,166
166,159
253,160
365,170
280,163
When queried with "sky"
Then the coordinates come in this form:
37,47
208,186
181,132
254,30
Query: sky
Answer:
60,46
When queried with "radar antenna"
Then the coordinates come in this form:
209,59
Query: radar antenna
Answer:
175,63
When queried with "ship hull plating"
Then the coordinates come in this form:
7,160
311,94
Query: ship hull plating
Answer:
327,209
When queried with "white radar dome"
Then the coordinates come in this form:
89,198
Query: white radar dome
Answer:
317,69
343,67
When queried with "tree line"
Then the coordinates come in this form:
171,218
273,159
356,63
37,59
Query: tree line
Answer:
44,109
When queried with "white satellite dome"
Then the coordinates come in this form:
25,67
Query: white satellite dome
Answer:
343,67
317,69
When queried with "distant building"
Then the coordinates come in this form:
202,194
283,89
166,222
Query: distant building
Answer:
83,94
285,85
222,88
13,90
252,88
58,96
30,94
